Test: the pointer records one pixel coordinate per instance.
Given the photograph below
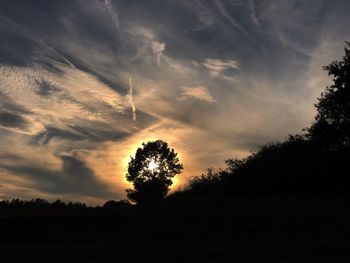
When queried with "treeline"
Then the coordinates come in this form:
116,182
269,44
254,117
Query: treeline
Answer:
316,161
39,203
42,203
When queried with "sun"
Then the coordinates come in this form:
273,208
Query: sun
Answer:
152,165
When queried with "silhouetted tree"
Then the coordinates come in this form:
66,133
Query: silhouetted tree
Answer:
151,171
332,122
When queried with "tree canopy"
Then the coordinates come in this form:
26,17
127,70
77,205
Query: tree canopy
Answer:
332,122
151,171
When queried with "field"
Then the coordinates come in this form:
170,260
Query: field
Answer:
307,228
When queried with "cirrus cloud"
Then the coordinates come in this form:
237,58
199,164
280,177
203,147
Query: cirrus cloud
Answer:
218,66
198,93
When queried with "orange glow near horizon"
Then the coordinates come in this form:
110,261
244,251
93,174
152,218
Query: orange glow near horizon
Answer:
110,162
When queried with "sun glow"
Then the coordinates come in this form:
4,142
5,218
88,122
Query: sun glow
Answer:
152,165
175,185
130,147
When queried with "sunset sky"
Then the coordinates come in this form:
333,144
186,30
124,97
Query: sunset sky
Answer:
84,83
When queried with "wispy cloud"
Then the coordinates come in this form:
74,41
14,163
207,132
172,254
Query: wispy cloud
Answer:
158,49
218,66
229,17
133,108
198,93
113,13
149,47
253,16
57,113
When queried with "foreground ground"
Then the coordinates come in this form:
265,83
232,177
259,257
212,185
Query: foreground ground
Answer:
242,229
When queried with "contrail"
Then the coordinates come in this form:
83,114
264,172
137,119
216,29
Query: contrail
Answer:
133,108
113,12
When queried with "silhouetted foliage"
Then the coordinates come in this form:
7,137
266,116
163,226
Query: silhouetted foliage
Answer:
207,180
151,171
112,204
39,203
332,123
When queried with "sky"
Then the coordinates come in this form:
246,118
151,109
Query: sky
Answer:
84,82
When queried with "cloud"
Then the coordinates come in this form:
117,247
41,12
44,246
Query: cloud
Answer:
74,178
253,12
198,93
61,112
158,49
147,43
132,104
113,13
81,95
205,20
218,66
8,119
225,13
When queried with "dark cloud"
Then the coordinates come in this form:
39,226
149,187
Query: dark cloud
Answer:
7,104
51,133
44,88
79,133
8,119
99,135
75,178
